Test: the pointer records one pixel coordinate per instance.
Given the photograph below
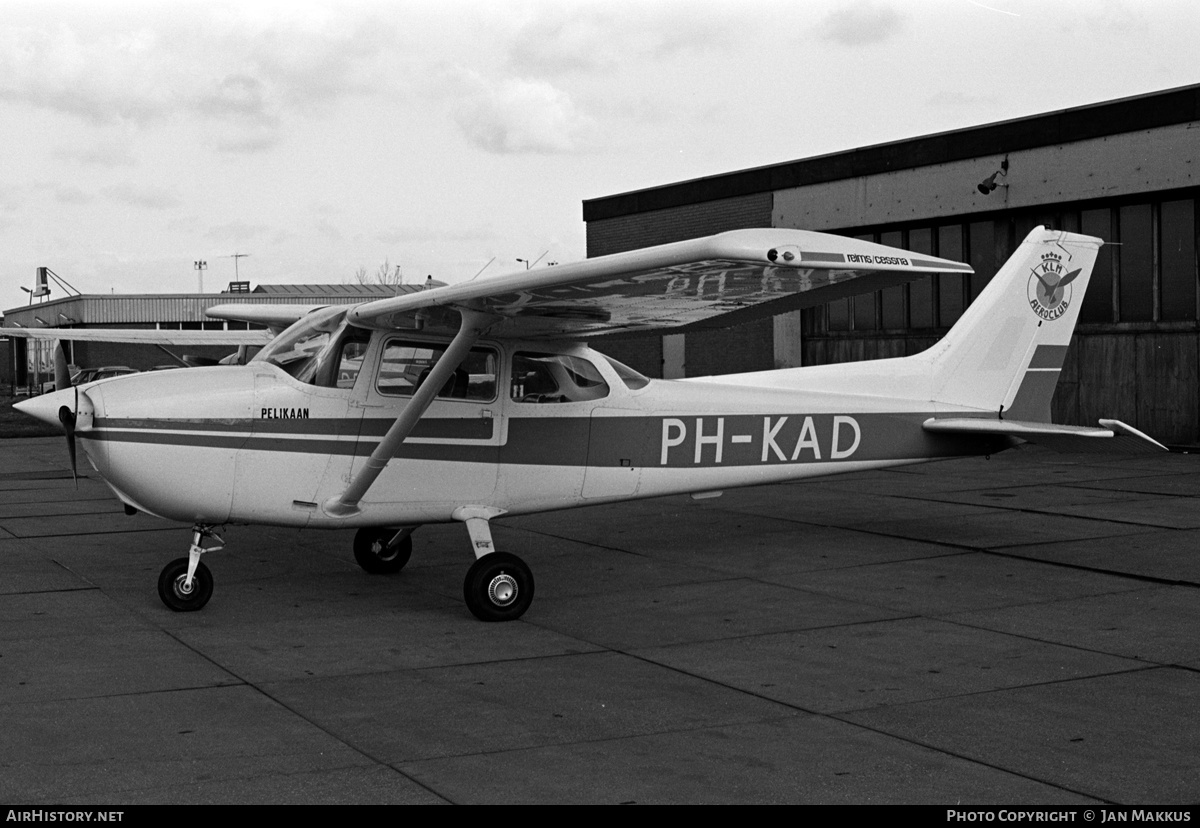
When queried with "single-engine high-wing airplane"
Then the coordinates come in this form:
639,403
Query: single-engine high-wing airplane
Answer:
472,401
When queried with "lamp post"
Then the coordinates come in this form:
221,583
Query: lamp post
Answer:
529,264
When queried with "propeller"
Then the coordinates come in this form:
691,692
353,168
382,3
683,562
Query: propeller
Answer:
62,374
68,417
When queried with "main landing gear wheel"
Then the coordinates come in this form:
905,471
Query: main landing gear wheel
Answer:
174,591
498,587
373,555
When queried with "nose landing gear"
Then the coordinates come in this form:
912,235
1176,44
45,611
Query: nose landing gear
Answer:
383,551
185,584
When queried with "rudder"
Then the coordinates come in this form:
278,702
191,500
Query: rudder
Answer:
1006,352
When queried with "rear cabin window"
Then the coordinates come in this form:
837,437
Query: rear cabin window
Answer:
405,365
632,379
555,378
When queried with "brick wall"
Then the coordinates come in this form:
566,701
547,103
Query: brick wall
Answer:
748,347
641,353
616,235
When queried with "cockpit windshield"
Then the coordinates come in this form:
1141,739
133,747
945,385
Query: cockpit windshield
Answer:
304,347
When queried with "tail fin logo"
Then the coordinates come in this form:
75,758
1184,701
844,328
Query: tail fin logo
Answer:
1050,287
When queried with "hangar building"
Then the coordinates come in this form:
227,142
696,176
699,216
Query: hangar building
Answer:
1126,170
30,361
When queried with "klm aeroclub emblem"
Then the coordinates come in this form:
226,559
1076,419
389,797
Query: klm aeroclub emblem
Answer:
1050,287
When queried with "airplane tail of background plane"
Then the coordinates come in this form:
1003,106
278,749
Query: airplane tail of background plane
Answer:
1006,351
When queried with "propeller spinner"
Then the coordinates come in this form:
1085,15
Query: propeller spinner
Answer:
69,408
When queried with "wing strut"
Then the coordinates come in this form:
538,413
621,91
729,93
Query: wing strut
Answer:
474,325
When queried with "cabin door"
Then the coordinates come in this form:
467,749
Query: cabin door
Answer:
451,454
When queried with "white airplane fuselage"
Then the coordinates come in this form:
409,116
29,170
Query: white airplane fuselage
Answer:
251,444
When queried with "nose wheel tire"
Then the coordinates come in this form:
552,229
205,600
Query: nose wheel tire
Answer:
174,591
372,554
498,587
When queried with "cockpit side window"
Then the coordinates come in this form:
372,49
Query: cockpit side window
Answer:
555,378
405,365
339,366
633,380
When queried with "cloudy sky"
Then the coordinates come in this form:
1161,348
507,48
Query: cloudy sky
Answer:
320,138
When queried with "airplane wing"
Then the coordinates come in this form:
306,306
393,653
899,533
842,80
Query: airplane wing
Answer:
273,315
147,336
710,282
1115,437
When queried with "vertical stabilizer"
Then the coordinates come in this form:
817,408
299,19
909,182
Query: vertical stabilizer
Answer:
1006,352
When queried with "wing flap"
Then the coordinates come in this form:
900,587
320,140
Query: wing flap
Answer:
709,282
1115,437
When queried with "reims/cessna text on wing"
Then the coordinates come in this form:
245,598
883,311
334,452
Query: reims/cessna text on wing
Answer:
473,401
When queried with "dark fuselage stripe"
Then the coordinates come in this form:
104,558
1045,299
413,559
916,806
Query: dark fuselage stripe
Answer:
450,428
686,441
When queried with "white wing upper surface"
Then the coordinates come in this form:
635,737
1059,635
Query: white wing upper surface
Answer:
710,282
272,314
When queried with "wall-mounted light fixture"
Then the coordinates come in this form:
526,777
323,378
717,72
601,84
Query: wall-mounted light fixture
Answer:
990,183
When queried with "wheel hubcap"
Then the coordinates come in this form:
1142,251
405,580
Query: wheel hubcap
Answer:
381,552
182,588
502,591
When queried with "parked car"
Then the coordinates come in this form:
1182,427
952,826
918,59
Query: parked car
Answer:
93,374
50,385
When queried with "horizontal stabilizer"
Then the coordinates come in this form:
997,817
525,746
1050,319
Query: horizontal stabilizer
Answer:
1115,437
